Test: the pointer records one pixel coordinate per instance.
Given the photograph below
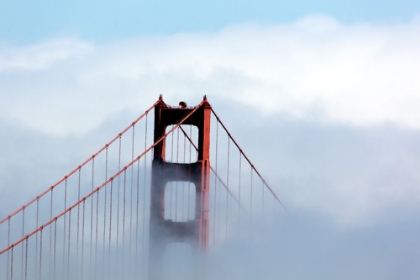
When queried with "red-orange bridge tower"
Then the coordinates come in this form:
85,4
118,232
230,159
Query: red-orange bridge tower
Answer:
163,231
122,212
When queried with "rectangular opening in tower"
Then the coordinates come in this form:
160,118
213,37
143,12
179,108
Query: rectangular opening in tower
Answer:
180,199
181,145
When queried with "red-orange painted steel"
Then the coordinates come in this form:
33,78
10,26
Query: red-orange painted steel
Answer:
194,232
80,166
249,161
98,188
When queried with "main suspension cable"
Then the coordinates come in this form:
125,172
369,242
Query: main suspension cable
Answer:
249,161
110,180
81,165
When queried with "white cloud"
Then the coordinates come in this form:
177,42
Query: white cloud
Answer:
41,56
314,69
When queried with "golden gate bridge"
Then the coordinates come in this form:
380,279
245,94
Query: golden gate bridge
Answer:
147,205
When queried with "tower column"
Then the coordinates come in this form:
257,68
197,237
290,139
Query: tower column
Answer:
194,232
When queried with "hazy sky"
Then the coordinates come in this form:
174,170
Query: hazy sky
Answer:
324,96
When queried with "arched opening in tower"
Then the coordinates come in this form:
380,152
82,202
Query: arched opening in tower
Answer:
180,197
178,147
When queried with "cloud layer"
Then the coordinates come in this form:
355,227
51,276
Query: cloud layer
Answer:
315,69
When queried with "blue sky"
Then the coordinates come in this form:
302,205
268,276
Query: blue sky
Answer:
331,89
26,21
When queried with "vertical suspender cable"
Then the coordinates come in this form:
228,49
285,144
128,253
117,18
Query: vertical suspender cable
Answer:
183,184
95,271
78,225
131,201
95,259
8,252
23,234
137,219
83,238
91,219
69,246
40,254
50,237
189,176
144,195
11,264
227,184
137,206
171,185
105,211
118,205
55,250
110,229
65,225
26,259
36,236
215,186
176,187
123,223
176,176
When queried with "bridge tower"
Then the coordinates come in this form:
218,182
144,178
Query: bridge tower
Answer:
163,231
